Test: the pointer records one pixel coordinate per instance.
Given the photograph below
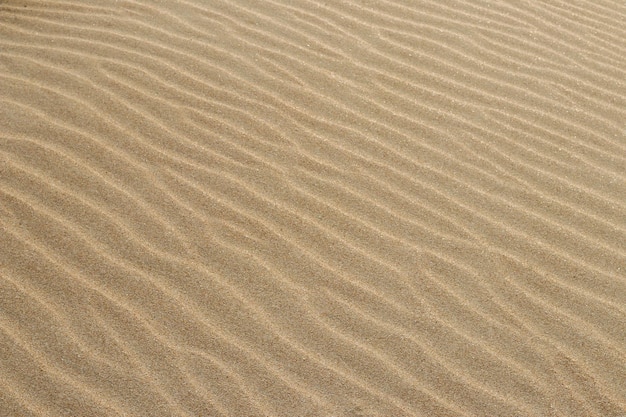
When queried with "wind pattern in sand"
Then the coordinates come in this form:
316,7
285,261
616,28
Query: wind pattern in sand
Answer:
313,208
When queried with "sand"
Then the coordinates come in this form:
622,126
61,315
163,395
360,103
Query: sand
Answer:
313,208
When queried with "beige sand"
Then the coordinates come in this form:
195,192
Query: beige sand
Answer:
313,208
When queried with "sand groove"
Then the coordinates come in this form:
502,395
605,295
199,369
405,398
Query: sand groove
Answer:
303,208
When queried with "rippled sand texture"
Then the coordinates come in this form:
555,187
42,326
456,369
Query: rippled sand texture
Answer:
310,208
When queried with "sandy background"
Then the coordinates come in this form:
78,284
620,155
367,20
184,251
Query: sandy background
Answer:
313,208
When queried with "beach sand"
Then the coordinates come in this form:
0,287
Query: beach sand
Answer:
313,208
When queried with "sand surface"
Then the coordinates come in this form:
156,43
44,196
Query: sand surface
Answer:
313,208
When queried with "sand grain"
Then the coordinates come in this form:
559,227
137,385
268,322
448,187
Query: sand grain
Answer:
302,208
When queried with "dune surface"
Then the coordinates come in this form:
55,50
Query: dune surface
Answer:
313,208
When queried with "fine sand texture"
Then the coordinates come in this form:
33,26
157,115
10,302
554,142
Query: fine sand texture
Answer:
313,208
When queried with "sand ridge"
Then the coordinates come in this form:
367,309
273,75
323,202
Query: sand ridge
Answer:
304,208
